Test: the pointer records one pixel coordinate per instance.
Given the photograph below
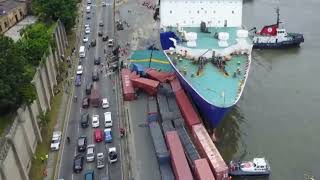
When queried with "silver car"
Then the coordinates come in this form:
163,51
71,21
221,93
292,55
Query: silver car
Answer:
90,153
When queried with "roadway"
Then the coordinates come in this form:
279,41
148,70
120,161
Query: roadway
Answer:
107,87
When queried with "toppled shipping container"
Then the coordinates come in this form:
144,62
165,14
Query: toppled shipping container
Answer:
159,76
189,148
208,150
178,123
175,84
152,105
166,171
167,126
127,87
160,147
147,85
188,112
179,161
202,170
163,103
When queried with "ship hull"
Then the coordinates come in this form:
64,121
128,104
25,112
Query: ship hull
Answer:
281,45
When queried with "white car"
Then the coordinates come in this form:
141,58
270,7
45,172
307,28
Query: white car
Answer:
85,39
112,155
90,153
95,121
110,43
86,26
56,139
100,160
105,103
87,30
103,3
79,70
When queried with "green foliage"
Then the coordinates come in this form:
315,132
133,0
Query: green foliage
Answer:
65,10
44,118
15,76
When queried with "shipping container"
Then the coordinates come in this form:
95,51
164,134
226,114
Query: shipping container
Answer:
163,103
166,171
165,89
159,76
147,85
175,84
202,170
167,115
128,90
95,99
208,150
153,117
178,123
187,110
179,161
172,103
160,147
189,148
167,126
152,105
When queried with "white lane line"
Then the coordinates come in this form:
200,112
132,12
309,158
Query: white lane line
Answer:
72,176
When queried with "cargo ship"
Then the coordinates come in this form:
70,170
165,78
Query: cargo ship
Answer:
209,51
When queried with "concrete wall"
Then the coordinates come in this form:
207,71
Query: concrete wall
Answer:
18,145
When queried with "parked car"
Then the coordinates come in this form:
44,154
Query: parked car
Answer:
98,135
100,33
85,39
93,43
88,16
105,103
101,24
88,88
103,3
82,143
95,75
95,121
79,70
87,30
78,163
97,60
78,80
84,120
107,135
90,153
110,43
56,140
85,102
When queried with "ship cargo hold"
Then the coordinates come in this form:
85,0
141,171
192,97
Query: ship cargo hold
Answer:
208,150
179,161
202,170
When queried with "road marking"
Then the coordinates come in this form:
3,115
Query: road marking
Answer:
72,176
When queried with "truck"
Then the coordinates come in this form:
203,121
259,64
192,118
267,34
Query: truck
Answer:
100,160
95,99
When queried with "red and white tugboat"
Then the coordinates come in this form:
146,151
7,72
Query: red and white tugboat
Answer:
273,37
256,167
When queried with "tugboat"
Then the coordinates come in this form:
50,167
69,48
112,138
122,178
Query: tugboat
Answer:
273,37
256,167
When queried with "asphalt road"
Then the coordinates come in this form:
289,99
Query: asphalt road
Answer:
74,130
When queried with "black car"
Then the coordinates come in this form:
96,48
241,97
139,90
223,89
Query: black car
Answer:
88,17
78,163
95,76
100,23
88,88
97,60
82,143
100,33
85,102
84,120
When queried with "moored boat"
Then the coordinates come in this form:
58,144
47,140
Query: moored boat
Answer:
256,167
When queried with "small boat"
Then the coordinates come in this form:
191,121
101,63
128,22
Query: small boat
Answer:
273,37
256,167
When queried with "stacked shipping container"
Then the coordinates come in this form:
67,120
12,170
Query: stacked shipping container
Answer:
128,90
152,109
159,143
202,170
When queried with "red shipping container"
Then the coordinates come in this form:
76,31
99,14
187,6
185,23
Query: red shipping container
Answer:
202,170
175,85
208,150
159,76
179,161
188,112
128,91
148,85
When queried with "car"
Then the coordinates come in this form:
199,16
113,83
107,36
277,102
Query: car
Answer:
100,33
85,39
90,153
97,60
103,4
95,121
82,143
105,178
78,80
79,70
86,26
100,160
110,43
98,135
78,163
85,102
105,103
107,135
84,120
93,43
88,16
87,30
88,88
89,175
95,75
88,1
101,24
112,155
56,140
107,119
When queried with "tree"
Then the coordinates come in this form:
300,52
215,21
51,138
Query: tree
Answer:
65,10
15,77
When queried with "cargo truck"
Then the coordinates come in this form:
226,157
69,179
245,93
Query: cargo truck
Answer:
95,99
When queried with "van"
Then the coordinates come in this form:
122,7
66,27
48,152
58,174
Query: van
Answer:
89,175
88,9
82,53
107,119
95,75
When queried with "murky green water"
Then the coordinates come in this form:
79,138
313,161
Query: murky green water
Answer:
278,115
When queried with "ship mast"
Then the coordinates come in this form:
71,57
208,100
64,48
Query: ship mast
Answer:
278,16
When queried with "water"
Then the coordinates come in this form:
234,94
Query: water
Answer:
278,114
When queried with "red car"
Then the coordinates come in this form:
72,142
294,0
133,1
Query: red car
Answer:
98,135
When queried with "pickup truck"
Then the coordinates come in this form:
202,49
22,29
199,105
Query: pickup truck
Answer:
100,160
